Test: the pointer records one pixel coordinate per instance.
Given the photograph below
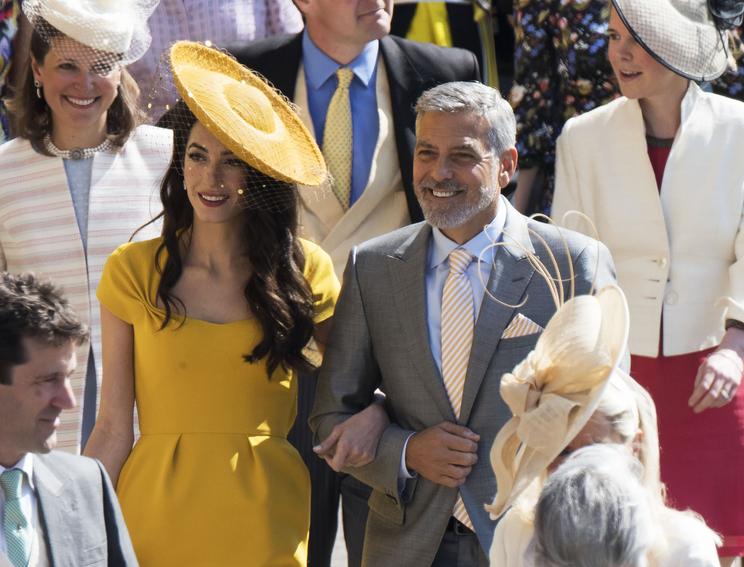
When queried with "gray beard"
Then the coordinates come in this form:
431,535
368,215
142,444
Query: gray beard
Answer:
452,218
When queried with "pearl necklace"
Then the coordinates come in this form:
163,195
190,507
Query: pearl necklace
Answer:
76,153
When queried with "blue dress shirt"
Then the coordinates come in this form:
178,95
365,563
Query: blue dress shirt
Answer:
321,81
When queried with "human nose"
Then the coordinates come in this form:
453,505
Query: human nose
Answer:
65,399
625,49
442,168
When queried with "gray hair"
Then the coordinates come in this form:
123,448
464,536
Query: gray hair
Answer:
594,512
478,99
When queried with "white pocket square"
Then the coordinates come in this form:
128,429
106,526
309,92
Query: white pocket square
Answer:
521,326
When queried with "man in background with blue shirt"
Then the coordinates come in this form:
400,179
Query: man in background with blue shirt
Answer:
388,74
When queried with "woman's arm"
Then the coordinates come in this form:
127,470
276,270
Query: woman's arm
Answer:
113,435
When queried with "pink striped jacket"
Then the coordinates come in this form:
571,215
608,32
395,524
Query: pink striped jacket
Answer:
39,232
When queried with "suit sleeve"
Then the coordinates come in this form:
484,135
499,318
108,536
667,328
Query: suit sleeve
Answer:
594,268
347,383
120,549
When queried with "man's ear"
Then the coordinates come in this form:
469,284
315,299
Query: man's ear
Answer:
302,6
508,160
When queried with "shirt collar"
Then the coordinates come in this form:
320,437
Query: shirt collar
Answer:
492,232
26,464
319,67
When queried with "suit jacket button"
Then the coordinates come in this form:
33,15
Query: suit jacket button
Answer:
671,298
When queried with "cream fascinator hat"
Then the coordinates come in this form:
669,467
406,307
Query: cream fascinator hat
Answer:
247,115
112,26
554,391
686,36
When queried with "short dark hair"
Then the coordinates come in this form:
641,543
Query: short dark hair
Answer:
31,117
33,308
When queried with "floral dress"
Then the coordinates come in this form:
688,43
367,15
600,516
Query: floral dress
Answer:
731,83
561,70
9,10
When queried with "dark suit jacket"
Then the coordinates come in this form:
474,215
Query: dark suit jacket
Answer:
412,68
380,340
80,514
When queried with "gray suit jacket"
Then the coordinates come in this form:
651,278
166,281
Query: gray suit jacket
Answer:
80,514
380,340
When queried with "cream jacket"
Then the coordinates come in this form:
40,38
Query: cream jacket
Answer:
39,231
678,254
380,209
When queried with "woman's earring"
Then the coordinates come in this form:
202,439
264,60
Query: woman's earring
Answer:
37,84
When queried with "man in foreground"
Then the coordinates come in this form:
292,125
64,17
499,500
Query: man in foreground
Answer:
56,508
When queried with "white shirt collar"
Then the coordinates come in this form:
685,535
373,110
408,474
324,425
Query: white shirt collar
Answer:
26,464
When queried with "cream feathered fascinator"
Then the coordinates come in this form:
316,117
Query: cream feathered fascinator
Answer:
554,391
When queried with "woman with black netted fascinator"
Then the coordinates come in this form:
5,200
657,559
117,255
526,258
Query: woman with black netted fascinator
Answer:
660,172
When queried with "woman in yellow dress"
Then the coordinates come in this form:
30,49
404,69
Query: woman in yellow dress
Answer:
206,327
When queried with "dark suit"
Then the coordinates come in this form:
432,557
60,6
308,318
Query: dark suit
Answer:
412,68
80,514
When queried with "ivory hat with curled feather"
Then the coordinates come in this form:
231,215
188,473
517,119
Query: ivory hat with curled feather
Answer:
554,391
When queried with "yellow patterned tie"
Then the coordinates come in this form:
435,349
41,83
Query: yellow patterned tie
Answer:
458,321
337,137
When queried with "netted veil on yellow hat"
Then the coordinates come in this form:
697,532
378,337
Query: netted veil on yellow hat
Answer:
554,391
246,114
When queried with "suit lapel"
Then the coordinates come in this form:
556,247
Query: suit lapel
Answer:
510,275
407,267
405,84
282,64
54,514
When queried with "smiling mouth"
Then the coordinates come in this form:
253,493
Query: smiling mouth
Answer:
213,200
80,102
629,74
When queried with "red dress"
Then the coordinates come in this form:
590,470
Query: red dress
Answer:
702,455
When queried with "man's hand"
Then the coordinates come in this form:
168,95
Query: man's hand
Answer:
353,443
444,454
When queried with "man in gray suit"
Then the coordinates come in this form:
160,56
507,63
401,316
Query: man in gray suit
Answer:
433,314
56,509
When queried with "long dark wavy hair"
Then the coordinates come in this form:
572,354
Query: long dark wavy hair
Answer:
277,292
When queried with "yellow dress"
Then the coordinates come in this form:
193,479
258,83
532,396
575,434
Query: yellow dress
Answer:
212,481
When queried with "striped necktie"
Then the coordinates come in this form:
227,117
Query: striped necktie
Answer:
338,138
458,321
15,525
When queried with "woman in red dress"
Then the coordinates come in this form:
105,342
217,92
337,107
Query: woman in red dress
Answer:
660,173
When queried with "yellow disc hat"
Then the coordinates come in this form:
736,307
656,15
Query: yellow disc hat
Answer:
246,114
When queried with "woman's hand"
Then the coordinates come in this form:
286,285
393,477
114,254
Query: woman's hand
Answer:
719,376
353,443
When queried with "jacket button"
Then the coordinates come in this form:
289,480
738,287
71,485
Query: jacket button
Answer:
671,298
